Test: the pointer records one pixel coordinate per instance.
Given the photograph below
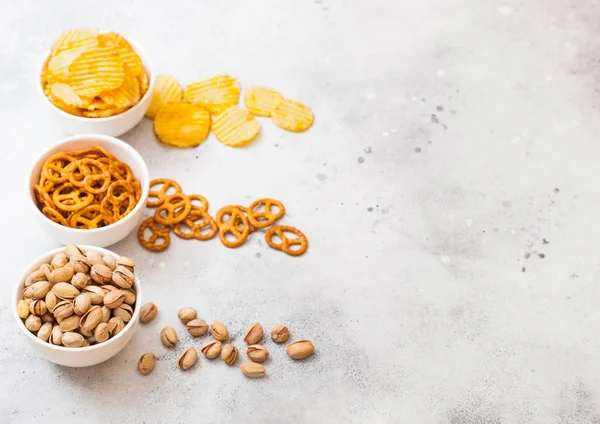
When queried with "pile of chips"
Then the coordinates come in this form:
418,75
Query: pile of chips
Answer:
183,118
93,75
188,217
86,189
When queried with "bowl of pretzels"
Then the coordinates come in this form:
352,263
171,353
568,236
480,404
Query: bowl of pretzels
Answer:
89,189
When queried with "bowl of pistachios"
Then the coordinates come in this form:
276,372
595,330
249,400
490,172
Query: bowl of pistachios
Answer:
78,305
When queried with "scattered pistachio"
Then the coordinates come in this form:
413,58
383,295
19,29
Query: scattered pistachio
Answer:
219,331
148,312
211,349
300,349
188,358
168,336
257,353
197,327
229,354
253,333
146,363
187,314
252,370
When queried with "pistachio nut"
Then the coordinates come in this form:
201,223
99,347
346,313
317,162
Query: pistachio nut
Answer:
82,304
47,269
126,262
70,339
69,323
83,332
197,327
51,301
101,274
253,333
229,353
34,277
108,288
115,325
65,291
80,263
33,323
61,275
188,358
45,331
94,258
23,308
58,261
187,314
101,333
56,336
37,307
85,343
300,349
148,312
252,370
257,353
91,318
219,331
146,363
96,293
110,261
47,317
105,314
211,349
129,296
124,311
123,278
63,309
114,299
37,290
91,340
80,280
73,249
168,336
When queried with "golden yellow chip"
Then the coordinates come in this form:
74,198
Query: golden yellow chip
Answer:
292,116
126,95
143,79
124,49
182,124
75,38
262,101
62,105
65,94
96,71
235,127
216,93
102,113
166,90
97,104
58,66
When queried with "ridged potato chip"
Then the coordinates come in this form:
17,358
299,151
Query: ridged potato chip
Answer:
143,79
262,101
96,71
103,113
58,66
182,124
62,105
292,116
166,90
216,93
235,127
65,94
126,95
97,104
75,38
124,49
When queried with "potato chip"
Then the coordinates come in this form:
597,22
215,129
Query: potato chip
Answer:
182,124
58,66
216,93
235,126
97,104
292,116
62,105
262,101
75,38
65,94
166,90
96,71
124,49
143,79
103,113
126,95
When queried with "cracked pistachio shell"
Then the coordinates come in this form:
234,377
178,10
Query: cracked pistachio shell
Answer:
23,308
148,312
126,262
101,332
168,336
197,327
56,336
72,249
129,296
82,304
229,354
124,311
211,349
123,278
63,309
51,301
115,325
61,275
219,331
47,317
146,363
37,307
188,358
45,331
252,370
101,274
80,263
96,293
187,314
105,314
34,277
94,258
33,323
114,299
80,280
69,323
257,353
70,339
65,291
253,333
300,349
37,290
91,319
110,261
59,261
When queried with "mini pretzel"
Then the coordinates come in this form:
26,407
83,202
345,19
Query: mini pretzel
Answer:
161,194
54,168
87,218
174,209
54,215
42,196
266,217
246,212
157,233
237,225
68,198
46,184
203,202
286,243
198,221
96,175
118,202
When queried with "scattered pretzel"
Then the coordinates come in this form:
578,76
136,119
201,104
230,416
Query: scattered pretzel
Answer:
203,202
174,209
198,221
158,232
266,217
237,225
161,194
286,242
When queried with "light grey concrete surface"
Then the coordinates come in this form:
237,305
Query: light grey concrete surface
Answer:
449,190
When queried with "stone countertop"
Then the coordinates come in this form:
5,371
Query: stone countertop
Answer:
448,189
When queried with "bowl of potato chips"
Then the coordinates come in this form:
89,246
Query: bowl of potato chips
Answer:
96,82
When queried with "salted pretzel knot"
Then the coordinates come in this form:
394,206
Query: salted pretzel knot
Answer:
286,243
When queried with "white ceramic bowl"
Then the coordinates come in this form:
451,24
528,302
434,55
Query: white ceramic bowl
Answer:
112,125
110,234
81,356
